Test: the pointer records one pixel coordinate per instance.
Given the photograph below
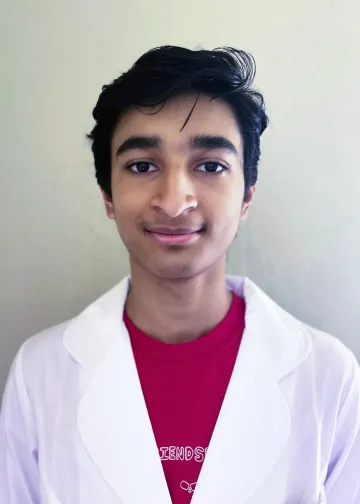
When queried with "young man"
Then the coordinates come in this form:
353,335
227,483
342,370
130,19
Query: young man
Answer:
181,383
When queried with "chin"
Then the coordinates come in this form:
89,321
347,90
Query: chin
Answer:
182,270
179,271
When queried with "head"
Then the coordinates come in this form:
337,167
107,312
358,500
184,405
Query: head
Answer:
176,147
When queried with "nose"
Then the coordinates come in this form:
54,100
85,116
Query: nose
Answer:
175,194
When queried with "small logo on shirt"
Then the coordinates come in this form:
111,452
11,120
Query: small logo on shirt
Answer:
188,487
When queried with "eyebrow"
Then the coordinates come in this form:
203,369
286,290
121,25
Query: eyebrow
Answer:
212,142
205,142
139,142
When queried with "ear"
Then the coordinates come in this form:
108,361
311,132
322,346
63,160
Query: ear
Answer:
109,206
247,202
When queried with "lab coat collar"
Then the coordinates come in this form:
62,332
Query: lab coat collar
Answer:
253,426
90,335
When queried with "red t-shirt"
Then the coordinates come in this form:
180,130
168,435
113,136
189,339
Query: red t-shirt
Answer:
184,386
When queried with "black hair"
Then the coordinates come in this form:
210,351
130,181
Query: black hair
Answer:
169,71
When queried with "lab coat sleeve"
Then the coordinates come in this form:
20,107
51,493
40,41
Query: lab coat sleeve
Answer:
342,485
19,479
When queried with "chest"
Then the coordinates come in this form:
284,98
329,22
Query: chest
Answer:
283,463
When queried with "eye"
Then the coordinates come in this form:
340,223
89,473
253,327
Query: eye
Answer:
142,167
212,167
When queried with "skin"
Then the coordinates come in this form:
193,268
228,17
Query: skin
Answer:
178,291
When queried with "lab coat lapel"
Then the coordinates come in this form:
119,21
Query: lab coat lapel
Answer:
254,423
113,422
250,434
253,426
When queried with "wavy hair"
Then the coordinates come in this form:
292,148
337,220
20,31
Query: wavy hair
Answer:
169,71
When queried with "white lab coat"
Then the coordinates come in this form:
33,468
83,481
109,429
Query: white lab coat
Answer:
75,429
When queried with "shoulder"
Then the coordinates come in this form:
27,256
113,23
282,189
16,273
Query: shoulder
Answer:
329,374
325,351
324,363
43,355
333,362
329,349
52,351
35,359
47,343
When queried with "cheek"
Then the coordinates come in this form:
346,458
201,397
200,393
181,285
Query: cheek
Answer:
125,209
130,206
231,221
225,206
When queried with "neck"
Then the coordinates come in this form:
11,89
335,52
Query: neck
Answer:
177,311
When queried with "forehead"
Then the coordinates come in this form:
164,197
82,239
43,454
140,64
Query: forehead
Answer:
209,117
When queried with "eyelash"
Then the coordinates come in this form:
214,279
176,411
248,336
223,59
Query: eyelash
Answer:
224,168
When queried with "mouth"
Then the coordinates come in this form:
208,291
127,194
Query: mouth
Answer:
179,236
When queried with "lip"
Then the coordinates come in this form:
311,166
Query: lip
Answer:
179,236
174,231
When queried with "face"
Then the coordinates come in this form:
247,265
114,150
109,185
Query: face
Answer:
178,192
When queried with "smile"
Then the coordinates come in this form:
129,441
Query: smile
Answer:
174,237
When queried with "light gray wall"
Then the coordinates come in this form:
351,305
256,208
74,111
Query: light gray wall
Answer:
302,241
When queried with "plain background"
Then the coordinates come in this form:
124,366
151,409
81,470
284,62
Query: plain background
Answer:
302,241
